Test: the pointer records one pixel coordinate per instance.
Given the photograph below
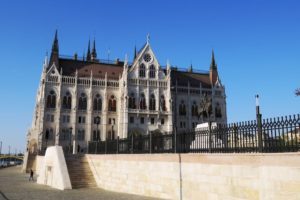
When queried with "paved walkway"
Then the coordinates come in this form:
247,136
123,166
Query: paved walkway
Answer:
15,185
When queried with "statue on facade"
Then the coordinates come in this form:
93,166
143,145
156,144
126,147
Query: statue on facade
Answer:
205,108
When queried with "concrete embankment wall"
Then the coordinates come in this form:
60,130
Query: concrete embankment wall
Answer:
200,176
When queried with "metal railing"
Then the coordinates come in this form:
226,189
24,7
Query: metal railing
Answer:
271,135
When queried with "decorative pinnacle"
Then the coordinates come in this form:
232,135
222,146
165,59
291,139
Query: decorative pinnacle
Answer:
148,38
213,64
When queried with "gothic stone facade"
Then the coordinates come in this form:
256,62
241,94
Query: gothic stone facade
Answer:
82,100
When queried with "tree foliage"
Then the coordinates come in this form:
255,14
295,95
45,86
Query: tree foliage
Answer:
297,92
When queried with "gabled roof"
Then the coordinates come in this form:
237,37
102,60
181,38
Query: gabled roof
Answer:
193,78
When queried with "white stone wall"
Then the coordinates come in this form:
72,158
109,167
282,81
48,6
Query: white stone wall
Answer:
200,176
129,82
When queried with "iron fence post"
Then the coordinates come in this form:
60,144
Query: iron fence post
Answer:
117,144
259,131
150,148
235,136
175,140
209,136
106,145
132,143
96,147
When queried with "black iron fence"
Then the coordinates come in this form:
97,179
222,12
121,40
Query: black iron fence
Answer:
271,135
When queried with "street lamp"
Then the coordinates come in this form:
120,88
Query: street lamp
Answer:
173,102
70,139
97,122
97,136
259,124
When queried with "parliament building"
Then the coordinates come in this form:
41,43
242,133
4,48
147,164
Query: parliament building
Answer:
90,99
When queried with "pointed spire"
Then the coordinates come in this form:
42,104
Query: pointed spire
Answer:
126,59
46,60
88,55
168,66
213,71
134,53
45,64
190,68
148,38
55,42
213,64
55,51
94,52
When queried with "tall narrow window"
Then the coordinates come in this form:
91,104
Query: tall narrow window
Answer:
142,71
96,135
80,135
194,109
143,102
82,103
67,101
182,109
152,102
131,102
162,103
97,104
112,104
51,99
152,71
218,111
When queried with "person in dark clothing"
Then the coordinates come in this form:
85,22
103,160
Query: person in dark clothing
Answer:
31,175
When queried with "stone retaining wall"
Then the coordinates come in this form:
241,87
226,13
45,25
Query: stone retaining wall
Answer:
200,176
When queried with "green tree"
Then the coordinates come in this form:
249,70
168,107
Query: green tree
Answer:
297,92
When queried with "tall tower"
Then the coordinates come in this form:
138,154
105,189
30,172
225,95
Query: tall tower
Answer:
88,55
213,71
54,57
94,53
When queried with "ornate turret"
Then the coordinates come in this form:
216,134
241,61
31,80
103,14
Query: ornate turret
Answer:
94,53
213,71
54,52
88,55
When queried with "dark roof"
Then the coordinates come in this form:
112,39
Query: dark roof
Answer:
84,68
194,78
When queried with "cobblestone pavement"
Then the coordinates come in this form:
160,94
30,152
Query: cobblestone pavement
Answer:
14,185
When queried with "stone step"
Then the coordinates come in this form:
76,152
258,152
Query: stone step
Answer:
80,173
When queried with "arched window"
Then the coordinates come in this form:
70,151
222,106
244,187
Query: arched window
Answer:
152,71
66,134
162,103
142,72
51,99
152,102
182,109
97,104
194,109
112,104
80,134
131,102
49,134
82,103
67,101
143,102
218,111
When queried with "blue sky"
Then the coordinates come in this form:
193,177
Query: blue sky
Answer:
256,44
